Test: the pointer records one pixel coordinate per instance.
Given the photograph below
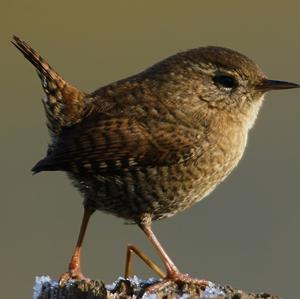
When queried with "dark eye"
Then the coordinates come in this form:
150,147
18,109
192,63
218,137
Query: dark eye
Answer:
225,81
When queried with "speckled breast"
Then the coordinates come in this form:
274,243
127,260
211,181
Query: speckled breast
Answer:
161,191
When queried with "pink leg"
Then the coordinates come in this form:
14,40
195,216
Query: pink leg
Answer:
74,265
173,274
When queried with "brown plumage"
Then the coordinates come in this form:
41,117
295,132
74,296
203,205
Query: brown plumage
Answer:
152,145
63,102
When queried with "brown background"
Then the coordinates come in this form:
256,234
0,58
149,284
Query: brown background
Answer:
246,234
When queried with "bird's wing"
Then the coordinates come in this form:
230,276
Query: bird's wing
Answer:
117,144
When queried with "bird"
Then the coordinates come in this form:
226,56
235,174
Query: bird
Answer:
151,145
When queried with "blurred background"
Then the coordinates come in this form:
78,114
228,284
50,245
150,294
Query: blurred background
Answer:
246,233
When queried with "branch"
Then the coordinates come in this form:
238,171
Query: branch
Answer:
45,288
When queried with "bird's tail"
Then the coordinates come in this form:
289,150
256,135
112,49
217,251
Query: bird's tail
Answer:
63,102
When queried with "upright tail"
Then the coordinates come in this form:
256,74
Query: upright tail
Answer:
63,103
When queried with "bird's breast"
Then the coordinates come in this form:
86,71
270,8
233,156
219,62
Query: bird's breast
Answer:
162,191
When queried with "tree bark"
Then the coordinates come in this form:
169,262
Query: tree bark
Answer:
45,288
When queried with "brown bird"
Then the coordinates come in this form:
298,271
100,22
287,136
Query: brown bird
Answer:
151,145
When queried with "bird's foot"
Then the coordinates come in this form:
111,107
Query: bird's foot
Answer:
72,274
178,279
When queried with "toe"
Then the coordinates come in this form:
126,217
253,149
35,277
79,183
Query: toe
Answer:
72,275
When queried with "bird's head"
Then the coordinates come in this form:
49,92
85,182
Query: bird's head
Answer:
217,78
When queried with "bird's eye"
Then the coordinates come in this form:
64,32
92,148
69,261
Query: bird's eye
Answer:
225,81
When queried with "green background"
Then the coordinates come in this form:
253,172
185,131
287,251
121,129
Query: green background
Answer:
246,233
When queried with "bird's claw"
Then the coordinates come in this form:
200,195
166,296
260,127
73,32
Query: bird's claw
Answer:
72,275
179,279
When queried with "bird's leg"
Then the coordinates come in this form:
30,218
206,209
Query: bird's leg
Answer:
173,274
170,266
128,267
74,265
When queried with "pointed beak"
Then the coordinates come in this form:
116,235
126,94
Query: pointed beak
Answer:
267,85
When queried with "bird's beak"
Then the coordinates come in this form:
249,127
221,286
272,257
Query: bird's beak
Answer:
267,85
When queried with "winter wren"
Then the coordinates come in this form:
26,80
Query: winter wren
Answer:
151,145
